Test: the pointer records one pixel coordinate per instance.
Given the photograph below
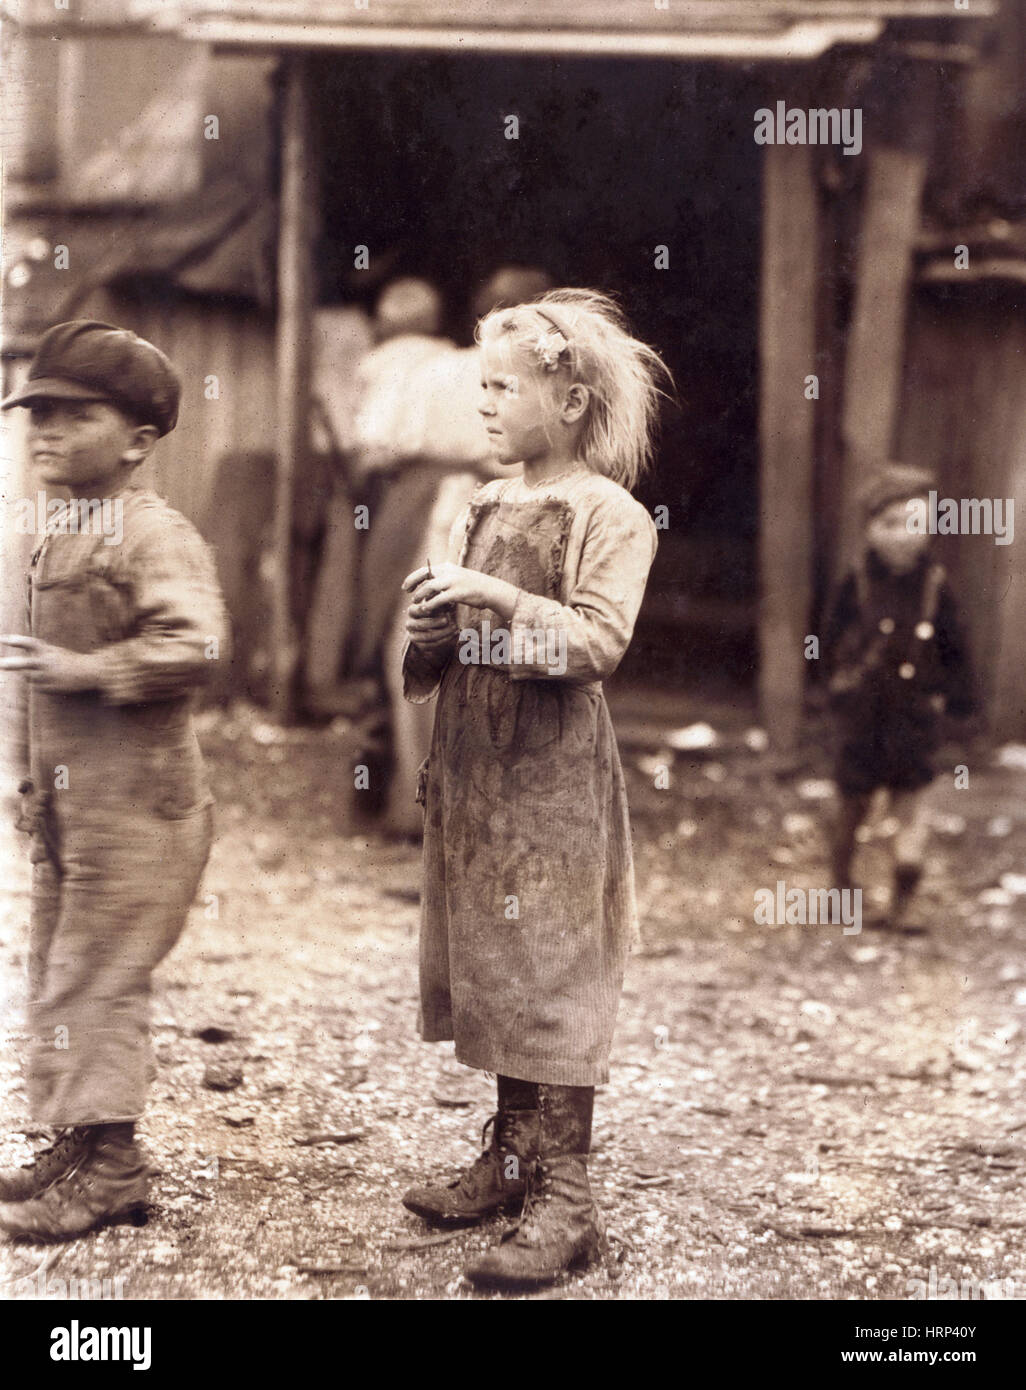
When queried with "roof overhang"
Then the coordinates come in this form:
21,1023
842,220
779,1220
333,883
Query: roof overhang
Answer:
782,31
799,42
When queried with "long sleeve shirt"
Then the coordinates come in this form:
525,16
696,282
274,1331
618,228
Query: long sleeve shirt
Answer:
150,608
610,541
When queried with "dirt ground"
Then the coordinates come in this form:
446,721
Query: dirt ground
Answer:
793,1112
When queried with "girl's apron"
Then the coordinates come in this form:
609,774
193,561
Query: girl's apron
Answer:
528,910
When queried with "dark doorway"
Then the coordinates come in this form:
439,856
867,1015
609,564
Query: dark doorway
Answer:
613,159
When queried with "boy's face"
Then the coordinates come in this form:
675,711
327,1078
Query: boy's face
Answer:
519,410
889,535
84,444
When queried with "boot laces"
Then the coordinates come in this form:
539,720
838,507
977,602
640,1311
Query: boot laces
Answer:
466,1180
63,1140
535,1195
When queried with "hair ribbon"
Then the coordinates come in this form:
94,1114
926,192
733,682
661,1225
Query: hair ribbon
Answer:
552,343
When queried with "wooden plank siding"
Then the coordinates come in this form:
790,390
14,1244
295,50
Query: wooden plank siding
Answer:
204,339
964,415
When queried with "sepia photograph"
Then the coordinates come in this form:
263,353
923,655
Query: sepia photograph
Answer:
513,759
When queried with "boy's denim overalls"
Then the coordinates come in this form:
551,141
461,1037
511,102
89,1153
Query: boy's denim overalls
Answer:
117,806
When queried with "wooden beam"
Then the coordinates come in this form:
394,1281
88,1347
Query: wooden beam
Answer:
1007,705
16,546
787,343
298,201
876,338
792,43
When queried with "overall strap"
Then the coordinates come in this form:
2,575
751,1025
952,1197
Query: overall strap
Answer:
861,588
934,583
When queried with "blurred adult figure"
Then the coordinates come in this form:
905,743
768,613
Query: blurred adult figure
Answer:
354,591
446,430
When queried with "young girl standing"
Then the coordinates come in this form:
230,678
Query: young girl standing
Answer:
528,908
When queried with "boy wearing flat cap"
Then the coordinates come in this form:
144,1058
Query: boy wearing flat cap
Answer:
897,662
116,800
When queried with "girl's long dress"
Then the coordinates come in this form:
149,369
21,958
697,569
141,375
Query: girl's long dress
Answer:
528,909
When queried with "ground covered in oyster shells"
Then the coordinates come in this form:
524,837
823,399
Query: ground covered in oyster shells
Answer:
793,1112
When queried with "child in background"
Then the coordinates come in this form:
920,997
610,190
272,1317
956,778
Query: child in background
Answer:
528,908
117,804
897,662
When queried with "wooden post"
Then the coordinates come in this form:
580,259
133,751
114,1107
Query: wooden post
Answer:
298,201
876,340
16,545
787,342
1007,700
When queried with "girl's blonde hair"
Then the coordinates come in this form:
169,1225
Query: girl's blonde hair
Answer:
582,336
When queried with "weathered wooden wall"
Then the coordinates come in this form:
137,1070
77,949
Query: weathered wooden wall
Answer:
205,340
964,415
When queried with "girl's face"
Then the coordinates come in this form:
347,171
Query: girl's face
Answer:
889,535
81,444
520,410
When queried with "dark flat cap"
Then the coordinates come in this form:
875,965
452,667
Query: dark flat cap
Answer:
894,482
87,360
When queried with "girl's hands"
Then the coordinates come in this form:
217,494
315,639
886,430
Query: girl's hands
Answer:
432,630
451,584
56,670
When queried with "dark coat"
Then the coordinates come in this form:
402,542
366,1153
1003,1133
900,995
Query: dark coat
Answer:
896,661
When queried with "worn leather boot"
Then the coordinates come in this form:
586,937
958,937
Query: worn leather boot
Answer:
560,1227
106,1184
497,1177
50,1163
